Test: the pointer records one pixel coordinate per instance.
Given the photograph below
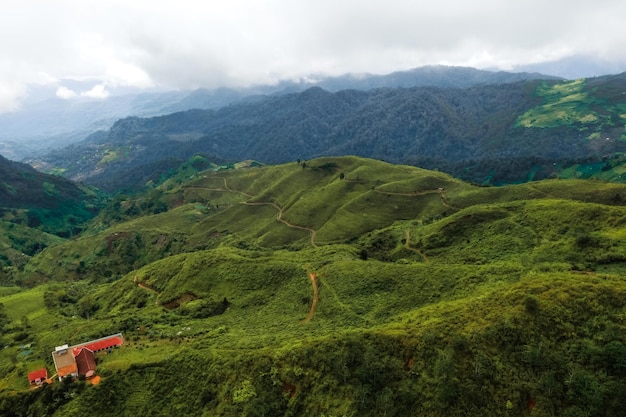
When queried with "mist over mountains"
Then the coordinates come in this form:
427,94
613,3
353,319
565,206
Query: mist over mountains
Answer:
502,132
47,121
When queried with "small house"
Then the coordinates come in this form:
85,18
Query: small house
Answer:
81,359
38,377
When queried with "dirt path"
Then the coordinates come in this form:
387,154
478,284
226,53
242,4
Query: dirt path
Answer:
225,189
439,191
279,217
234,191
312,231
316,297
407,245
444,201
144,286
415,193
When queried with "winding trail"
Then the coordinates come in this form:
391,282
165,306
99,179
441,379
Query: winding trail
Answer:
312,231
279,217
316,297
225,189
415,193
407,245
439,191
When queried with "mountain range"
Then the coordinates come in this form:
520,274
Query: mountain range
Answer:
60,122
491,134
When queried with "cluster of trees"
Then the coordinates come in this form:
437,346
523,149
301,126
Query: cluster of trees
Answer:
45,401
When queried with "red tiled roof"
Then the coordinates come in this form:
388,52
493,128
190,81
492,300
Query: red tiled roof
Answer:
38,374
67,370
100,344
86,361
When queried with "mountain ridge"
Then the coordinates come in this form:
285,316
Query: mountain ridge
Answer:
449,129
62,122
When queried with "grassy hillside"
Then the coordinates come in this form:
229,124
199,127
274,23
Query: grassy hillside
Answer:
338,286
37,211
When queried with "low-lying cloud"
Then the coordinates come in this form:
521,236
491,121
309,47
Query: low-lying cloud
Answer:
189,44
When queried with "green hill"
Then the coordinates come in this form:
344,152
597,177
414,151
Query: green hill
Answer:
338,286
36,211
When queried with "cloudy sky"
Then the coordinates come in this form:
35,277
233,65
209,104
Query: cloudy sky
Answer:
110,44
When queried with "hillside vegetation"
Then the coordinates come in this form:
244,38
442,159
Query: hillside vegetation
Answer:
36,211
333,286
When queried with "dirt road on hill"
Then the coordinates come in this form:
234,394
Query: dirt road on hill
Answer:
316,297
279,217
312,231
439,191
407,245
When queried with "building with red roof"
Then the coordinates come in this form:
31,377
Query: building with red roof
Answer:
99,345
80,359
38,377
86,362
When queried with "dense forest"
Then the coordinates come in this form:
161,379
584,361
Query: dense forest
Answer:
470,133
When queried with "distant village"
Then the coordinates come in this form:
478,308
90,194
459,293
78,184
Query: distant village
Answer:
76,361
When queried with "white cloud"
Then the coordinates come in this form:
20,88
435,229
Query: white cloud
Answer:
186,43
65,93
10,95
98,91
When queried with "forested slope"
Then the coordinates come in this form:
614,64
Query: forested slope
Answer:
486,134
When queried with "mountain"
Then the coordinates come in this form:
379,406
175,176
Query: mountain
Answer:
428,76
339,286
489,134
61,122
23,186
576,66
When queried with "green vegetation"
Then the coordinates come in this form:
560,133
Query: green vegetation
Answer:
564,103
591,108
113,155
436,298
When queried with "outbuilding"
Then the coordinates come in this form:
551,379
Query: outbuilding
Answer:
38,377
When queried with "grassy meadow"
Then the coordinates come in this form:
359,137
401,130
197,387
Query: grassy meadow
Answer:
434,298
